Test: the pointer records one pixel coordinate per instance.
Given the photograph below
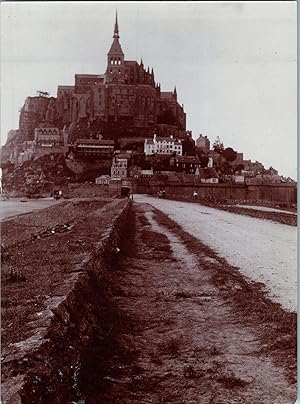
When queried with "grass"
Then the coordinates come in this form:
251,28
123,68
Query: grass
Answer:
171,347
230,381
189,372
184,294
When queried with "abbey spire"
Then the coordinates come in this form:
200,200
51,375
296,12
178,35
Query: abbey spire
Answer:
115,49
115,58
116,31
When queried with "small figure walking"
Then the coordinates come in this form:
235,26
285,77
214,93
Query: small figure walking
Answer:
195,195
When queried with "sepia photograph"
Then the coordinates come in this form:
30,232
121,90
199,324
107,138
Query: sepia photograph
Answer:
148,202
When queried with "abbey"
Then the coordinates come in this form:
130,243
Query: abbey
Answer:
125,94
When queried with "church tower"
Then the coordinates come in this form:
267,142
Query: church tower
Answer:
115,60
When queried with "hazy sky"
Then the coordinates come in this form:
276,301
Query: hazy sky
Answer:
234,64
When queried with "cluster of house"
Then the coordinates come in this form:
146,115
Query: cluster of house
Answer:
168,150
243,171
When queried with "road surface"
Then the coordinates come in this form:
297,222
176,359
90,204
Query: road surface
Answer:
264,251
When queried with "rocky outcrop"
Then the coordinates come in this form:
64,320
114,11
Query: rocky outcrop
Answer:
37,111
36,177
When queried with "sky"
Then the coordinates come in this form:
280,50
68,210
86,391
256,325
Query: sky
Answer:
234,64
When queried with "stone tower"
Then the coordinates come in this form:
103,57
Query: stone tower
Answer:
115,70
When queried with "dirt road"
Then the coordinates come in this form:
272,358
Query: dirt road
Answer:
188,329
263,251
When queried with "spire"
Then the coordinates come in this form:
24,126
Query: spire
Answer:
175,91
116,30
115,49
142,64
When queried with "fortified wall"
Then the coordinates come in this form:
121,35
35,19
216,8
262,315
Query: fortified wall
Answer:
282,194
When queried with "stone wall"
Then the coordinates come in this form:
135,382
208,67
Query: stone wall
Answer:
278,193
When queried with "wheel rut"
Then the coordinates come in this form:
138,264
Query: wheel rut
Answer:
175,339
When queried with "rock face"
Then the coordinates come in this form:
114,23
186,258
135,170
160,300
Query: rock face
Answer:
36,177
37,111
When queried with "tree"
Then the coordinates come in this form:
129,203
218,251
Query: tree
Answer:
218,146
229,154
203,160
203,157
240,167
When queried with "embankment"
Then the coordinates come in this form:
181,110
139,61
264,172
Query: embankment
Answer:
44,365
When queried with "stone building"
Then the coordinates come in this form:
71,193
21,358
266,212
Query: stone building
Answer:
185,164
48,141
124,102
119,168
162,145
203,142
92,148
126,93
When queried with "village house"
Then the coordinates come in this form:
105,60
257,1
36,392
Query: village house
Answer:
260,179
162,145
203,142
187,164
103,180
119,168
147,173
207,175
238,179
251,169
47,141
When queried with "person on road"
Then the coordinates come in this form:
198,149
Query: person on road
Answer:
195,195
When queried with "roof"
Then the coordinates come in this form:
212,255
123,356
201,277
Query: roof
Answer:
208,173
202,137
47,129
162,139
115,48
95,141
167,94
167,139
66,87
187,159
89,76
130,62
102,177
123,156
